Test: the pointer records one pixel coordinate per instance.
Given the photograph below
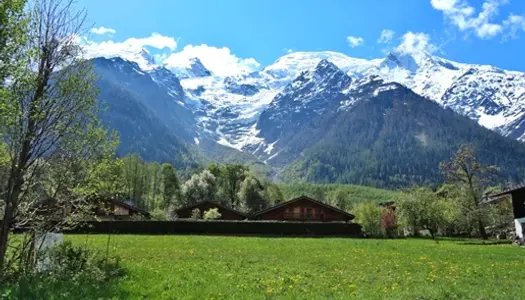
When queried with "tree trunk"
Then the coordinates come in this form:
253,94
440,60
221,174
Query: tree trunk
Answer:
4,235
433,235
482,230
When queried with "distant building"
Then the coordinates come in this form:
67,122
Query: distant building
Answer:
203,206
104,208
107,209
303,209
517,194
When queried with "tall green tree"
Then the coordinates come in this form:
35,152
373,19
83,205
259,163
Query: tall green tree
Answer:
170,184
200,187
272,193
234,175
340,199
251,195
48,113
468,173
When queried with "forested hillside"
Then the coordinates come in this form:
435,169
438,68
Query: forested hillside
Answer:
393,138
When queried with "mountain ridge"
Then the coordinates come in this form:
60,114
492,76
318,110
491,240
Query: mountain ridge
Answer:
264,113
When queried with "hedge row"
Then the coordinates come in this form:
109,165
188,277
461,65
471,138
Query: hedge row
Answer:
222,227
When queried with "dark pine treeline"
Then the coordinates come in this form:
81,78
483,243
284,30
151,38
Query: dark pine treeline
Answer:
397,139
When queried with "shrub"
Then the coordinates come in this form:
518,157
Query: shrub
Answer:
159,215
212,214
68,262
196,214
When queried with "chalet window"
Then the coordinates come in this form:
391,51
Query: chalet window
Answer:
309,212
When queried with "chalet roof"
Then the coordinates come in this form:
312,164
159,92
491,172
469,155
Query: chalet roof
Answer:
196,205
494,197
284,204
128,206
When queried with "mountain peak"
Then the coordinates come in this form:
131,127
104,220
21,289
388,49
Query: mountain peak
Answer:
326,66
144,54
409,61
191,68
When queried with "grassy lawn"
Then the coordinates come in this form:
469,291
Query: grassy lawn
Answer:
203,267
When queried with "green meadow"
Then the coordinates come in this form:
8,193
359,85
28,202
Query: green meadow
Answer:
213,267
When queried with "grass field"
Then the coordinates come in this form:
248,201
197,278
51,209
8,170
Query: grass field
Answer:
204,267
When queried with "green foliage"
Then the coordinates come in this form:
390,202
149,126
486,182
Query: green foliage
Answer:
423,209
368,214
393,140
13,35
354,194
272,193
251,195
469,175
229,178
72,272
200,187
196,214
212,214
171,185
159,215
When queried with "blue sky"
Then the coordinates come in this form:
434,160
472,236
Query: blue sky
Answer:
254,33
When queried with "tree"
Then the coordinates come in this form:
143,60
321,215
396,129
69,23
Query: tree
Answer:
389,221
469,174
48,112
368,214
340,199
423,209
272,193
234,175
250,194
212,214
198,188
229,178
170,183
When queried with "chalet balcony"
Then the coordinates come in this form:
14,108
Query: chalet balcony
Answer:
303,217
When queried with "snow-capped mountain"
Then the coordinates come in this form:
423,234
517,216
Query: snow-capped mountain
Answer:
311,94
245,111
190,69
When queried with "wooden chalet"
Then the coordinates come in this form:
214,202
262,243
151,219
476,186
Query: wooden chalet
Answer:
517,194
104,208
108,209
303,209
203,206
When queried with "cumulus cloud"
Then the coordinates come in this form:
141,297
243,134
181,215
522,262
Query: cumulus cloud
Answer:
354,41
103,30
462,15
220,61
132,45
386,36
415,43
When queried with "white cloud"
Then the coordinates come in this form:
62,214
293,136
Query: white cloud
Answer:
103,30
288,50
515,23
462,15
111,48
415,43
220,61
386,36
354,41
130,49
